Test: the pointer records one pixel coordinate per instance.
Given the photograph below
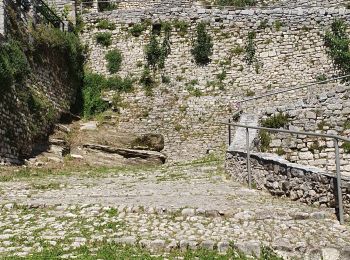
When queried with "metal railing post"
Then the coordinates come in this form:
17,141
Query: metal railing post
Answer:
229,132
339,191
248,159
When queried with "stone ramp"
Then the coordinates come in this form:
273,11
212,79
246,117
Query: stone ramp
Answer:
164,208
239,139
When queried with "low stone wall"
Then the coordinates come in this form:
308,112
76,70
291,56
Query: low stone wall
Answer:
281,178
327,113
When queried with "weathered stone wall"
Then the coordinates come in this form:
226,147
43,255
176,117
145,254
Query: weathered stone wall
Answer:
327,113
281,178
289,55
21,125
2,18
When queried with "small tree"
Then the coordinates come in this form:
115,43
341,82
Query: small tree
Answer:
153,52
202,46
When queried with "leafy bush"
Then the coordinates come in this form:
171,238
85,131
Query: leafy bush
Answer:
276,121
114,59
156,53
147,81
106,6
203,46
337,43
137,29
105,24
14,65
104,38
165,79
237,50
122,85
236,3
93,103
346,147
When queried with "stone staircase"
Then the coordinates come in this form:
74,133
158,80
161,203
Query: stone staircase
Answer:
239,139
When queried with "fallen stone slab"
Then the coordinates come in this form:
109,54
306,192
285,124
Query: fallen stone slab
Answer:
128,153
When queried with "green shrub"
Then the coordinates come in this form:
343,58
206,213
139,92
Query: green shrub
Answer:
278,25
93,103
105,24
250,48
106,6
104,38
165,79
147,81
337,43
321,77
236,3
156,53
137,29
346,147
276,121
221,76
202,46
14,66
250,93
114,59
119,84
237,50
265,140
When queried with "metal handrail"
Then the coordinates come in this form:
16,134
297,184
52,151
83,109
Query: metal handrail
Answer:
339,138
335,138
292,89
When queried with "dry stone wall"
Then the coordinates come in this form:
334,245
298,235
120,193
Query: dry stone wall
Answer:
21,125
281,178
327,113
289,50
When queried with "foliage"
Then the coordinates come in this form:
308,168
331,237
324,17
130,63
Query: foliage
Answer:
181,26
236,3
250,48
263,24
321,78
346,147
137,29
278,24
114,59
221,76
68,44
202,46
165,79
104,38
106,6
93,103
276,121
14,66
156,53
147,81
265,140
119,84
337,43
250,93
105,24
237,50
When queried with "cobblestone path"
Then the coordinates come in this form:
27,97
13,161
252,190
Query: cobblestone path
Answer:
181,206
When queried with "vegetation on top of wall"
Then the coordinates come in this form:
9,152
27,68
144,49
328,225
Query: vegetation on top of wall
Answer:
104,38
236,3
279,120
250,48
14,66
337,42
202,46
114,59
106,25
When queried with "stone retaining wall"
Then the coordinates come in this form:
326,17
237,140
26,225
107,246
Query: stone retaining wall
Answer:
290,54
281,178
327,113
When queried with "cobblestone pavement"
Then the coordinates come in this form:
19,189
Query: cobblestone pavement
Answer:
171,207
